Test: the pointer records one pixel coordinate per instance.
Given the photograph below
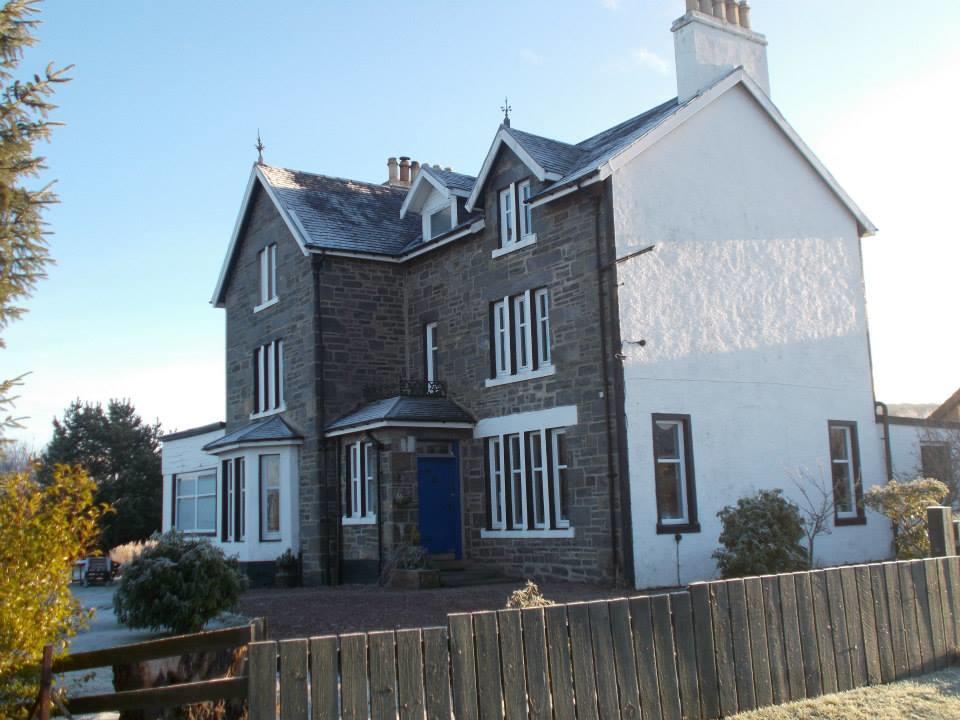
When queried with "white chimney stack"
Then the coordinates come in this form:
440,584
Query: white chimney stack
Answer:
708,45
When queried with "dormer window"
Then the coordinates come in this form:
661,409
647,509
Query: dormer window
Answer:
508,230
439,218
516,217
268,276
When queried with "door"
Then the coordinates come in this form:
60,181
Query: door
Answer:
439,495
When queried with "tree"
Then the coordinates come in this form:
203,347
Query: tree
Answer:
906,503
817,507
44,528
122,455
24,120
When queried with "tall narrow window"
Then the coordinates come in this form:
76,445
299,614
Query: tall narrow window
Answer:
845,467
239,471
431,348
501,338
673,472
498,495
268,274
542,321
518,495
197,503
521,311
538,479
508,231
270,497
362,492
229,523
268,378
558,447
369,478
525,211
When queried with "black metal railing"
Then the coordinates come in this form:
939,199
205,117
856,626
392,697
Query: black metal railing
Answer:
409,388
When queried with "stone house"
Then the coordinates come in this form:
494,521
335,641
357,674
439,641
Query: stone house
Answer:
561,367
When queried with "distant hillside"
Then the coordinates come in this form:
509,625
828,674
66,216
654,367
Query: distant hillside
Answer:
912,410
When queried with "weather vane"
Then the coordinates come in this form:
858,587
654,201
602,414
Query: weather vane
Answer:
505,108
259,146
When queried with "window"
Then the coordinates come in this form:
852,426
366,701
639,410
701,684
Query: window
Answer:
268,275
673,474
508,233
239,467
439,221
362,494
196,510
234,501
935,461
527,478
526,212
520,342
269,497
430,349
268,378
845,471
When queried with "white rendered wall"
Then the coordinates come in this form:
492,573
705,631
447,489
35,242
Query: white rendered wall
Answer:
905,442
185,455
752,309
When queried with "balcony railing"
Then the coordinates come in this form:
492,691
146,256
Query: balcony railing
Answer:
409,388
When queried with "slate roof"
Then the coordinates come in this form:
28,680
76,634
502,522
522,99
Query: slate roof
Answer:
191,432
457,182
340,214
265,430
403,408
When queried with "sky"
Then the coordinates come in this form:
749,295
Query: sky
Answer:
167,98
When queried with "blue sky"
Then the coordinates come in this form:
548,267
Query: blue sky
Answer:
167,98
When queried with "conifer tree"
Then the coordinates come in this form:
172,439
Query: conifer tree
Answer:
25,109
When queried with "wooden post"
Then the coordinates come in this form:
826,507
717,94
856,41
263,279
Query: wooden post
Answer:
940,530
956,536
46,681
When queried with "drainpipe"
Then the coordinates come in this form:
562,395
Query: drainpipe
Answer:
379,446
888,455
320,395
611,467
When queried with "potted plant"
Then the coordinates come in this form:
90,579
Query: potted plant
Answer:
287,571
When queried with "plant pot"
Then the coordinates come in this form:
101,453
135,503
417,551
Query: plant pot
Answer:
421,579
285,578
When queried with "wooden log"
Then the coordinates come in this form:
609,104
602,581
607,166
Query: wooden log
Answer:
624,659
686,648
940,531
354,704
293,679
511,660
825,633
535,659
868,624
666,658
262,678
706,652
911,627
581,652
436,673
383,675
561,665
173,696
746,694
723,641
838,621
851,604
489,688
410,693
898,634
645,653
759,653
881,615
463,667
799,636
608,699
324,678
773,620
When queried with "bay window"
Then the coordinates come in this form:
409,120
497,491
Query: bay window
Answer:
269,497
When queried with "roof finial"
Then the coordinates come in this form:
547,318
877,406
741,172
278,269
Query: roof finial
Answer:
506,112
260,147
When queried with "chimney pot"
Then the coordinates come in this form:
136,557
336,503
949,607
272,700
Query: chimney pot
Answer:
745,15
414,169
392,175
733,12
693,5
720,9
404,170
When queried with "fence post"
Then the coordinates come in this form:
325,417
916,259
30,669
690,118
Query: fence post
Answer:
46,681
940,530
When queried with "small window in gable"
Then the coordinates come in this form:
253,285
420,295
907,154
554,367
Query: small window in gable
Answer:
268,275
440,221
526,213
508,232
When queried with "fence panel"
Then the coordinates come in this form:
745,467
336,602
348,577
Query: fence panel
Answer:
535,658
723,639
354,698
810,682
383,675
682,609
851,611
666,658
888,672
262,680
898,629
463,668
561,666
706,652
624,659
949,625
581,651
293,679
410,695
773,619
646,656
868,623
489,687
932,577
759,653
436,673
911,628
608,700
511,660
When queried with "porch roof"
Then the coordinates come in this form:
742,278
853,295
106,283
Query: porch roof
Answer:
266,431
403,411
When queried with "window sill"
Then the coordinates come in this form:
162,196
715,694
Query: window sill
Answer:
268,303
852,520
368,520
527,534
271,539
520,376
525,241
268,413
199,533
681,528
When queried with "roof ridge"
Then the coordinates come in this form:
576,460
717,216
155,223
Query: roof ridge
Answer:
632,119
336,178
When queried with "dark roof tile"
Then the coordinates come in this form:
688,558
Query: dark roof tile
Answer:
265,430
401,409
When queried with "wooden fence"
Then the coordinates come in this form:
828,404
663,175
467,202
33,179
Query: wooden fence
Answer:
712,651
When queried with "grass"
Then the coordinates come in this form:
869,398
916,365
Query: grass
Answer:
931,697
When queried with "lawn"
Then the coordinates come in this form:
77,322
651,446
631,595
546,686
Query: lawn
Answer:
931,697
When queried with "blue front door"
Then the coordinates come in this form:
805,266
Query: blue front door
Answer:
439,489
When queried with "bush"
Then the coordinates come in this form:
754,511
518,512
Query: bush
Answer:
44,529
529,596
906,503
128,552
179,584
761,535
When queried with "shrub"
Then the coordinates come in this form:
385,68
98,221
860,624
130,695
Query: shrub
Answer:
761,535
44,529
529,596
128,552
179,584
906,503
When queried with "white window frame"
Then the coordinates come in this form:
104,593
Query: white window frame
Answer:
541,307
498,490
539,480
517,470
267,259
851,470
525,212
270,382
361,474
265,532
501,335
681,461
243,499
428,213
559,469
523,332
431,348
369,478
230,523
508,217
196,496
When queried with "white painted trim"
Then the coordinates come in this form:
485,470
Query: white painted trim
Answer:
558,417
427,247
527,534
414,190
544,199
400,423
525,241
268,413
366,520
268,303
542,372
257,444
503,137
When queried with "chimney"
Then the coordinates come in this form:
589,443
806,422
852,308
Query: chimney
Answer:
414,169
393,178
710,42
404,170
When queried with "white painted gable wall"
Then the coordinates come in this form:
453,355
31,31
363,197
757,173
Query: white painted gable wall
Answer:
752,307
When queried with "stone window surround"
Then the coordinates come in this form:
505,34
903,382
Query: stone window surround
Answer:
539,363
